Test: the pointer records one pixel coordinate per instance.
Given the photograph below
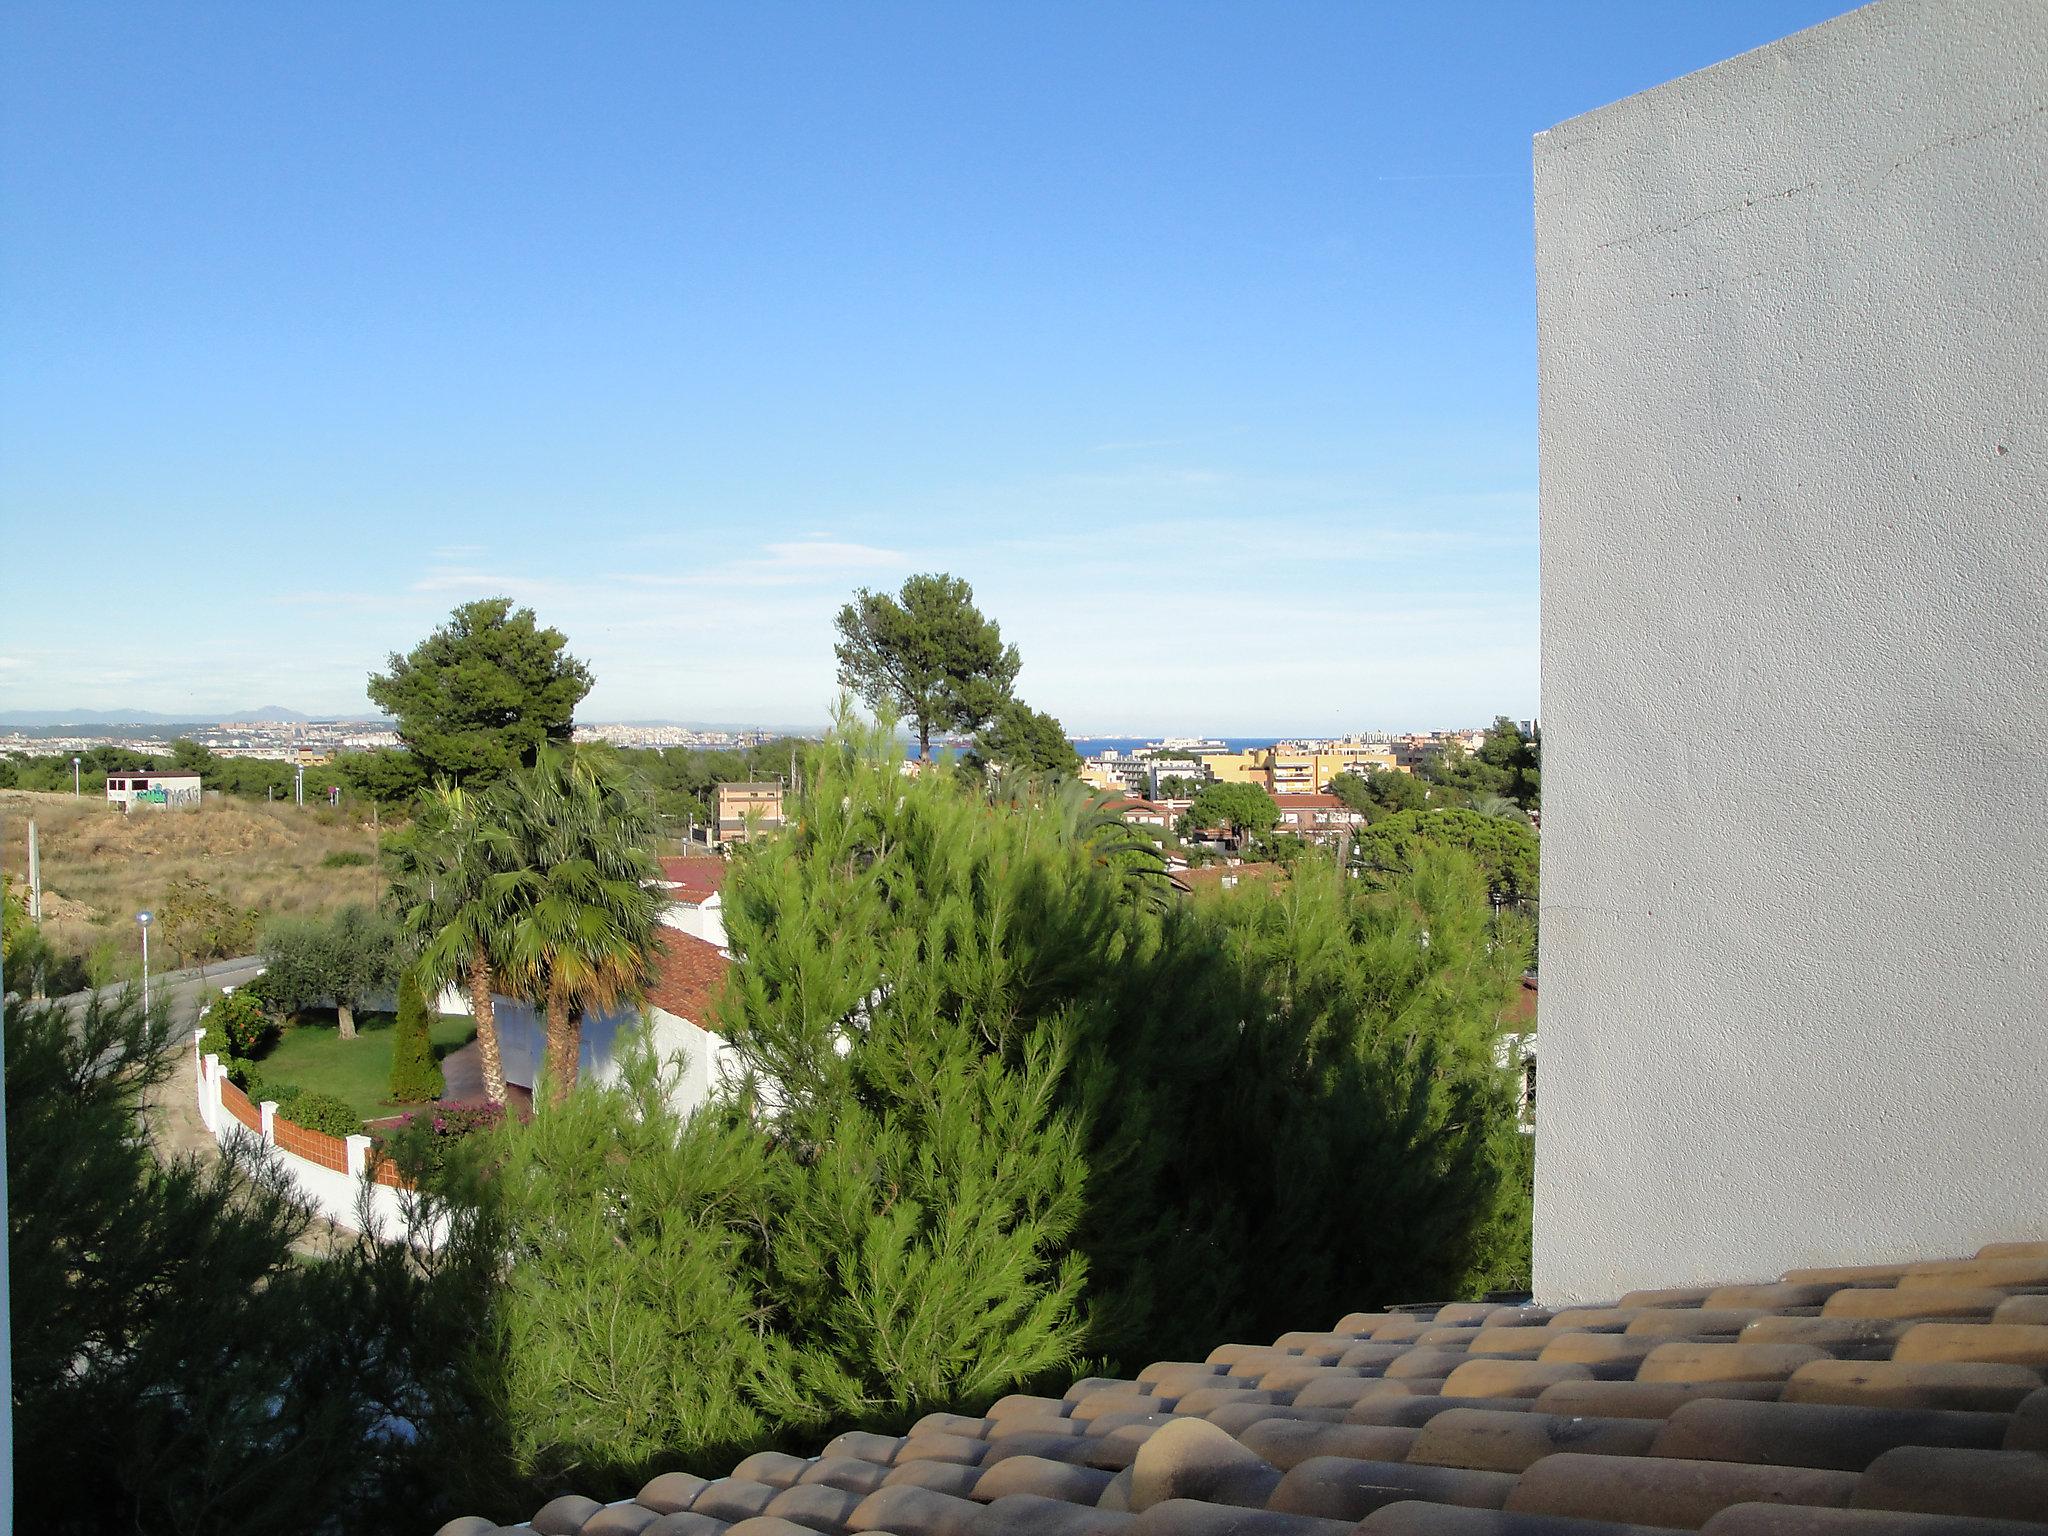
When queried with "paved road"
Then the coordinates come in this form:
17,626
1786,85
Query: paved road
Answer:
185,990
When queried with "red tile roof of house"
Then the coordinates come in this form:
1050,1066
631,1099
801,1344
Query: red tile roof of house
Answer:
1126,805
695,880
689,975
1308,802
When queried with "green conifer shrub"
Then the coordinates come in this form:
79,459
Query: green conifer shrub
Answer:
632,1330
415,1074
176,1366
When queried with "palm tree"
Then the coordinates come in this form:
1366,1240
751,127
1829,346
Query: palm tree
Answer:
1500,808
584,914
452,874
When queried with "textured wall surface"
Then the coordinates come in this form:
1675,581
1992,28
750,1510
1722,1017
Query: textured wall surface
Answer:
1794,333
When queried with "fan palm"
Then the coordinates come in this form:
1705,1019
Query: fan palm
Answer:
1086,819
1500,807
450,873
584,915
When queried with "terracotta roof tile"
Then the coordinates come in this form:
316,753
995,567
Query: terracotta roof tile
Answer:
694,879
689,975
1883,1400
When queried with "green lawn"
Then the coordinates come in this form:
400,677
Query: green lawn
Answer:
312,1055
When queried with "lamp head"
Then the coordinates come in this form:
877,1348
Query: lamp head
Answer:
143,918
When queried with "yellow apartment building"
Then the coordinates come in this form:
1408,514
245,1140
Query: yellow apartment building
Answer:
1289,768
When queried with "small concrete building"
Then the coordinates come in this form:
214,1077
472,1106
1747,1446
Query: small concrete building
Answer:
130,788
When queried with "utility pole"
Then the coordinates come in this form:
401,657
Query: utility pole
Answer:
35,877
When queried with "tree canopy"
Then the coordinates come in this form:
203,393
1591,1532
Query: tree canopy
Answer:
1519,761
1244,808
1380,792
1028,740
1507,764
927,655
483,693
1505,849
335,961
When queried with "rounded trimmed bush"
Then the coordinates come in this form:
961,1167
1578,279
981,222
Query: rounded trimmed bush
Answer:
319,1112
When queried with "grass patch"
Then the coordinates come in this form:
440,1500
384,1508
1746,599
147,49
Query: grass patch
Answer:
312,1055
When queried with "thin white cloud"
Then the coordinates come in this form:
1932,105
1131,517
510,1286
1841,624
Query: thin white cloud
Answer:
792,563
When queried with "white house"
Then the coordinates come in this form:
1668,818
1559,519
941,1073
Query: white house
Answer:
130,788
694,905
689,975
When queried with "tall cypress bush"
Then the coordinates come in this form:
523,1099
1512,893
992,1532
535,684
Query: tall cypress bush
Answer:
415,1074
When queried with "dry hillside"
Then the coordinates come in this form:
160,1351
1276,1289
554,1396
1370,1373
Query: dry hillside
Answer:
100,867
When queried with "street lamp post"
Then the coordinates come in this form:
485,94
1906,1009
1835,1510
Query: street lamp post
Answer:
74,778
143,918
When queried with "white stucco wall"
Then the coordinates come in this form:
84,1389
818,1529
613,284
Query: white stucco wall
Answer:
522,1040
705,920
1794,334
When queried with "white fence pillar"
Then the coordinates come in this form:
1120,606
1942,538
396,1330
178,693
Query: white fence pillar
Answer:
210,1106
199,1066
268,1109
358,1156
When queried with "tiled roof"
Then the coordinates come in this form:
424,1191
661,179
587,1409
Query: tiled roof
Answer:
688,976
1316,802
695,880
1888,1400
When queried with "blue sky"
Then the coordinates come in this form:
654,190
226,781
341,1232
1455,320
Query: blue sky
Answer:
1200,338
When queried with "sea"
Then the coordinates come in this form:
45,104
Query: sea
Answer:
1095,746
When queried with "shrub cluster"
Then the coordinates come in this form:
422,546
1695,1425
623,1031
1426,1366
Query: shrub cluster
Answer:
307,1109
245,1025
429,1137
999,1107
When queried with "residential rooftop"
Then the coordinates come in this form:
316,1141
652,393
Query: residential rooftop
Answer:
1873,1400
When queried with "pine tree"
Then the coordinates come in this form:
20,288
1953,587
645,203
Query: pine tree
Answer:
176,1366
631,1331
909,954
415,1074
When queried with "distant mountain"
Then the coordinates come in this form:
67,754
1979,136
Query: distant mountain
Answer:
270,712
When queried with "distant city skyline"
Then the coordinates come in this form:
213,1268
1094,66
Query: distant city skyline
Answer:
1199,340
